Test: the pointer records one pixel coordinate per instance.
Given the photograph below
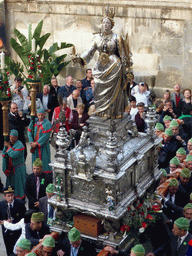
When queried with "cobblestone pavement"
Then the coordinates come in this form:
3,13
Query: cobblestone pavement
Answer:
3,179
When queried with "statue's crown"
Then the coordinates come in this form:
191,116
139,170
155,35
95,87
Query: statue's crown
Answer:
110,12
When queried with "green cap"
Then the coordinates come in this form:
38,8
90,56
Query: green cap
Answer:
188,158
175,161
164,173
173,124
181,151
167,118
74,235
49,242
14,133
24,244
37,217
173,182
190,140
50,188
182,223
185,173
188,206
169,132
159,126
138,250
38,163
31,254
40,110
190,196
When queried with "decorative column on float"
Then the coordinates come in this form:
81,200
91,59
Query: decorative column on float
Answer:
5,96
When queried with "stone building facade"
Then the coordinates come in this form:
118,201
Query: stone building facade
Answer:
160,32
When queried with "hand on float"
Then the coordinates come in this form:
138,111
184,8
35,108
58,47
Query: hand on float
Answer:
60,253
111,250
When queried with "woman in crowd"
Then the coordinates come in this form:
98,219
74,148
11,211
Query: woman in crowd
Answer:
185,105
79,121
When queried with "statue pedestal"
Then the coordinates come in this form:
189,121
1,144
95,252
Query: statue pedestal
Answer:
111,167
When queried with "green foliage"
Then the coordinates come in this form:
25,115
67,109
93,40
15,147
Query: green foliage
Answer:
51,65
15,68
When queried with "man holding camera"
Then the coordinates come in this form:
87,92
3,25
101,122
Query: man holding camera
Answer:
20,93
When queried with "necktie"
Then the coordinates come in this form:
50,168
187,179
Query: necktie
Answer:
178,242
9,211
37,187
171,198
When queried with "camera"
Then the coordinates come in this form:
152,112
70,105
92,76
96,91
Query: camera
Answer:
20,88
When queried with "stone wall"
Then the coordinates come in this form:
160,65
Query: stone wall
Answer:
160,32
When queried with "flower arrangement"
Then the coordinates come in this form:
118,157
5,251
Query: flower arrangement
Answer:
140,215
5,91
34,67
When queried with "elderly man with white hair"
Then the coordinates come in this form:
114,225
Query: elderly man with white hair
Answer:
176,96
47,100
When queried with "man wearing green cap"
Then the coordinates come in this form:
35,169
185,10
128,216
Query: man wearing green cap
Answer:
37,231
48,246
23,247
159,129
40,140
137,250
188,161
14,164
184,179
36,184
178,132
174,164
45,207
174,196
166,120
163,176
181,154
177,245
189,146
169,147
75,246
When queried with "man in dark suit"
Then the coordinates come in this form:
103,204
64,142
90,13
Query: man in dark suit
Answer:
169,147
47,209
174,196
48,101
12,210
18,122
36,184
75,244
178,242
36,231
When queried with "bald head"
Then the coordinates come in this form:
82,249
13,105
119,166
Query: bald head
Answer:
69,81
75,94
177,88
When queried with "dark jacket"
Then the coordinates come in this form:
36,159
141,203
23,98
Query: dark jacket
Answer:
17,213
43,207
30,187
65,91
168,151
171,247
15,122
35,236
86,248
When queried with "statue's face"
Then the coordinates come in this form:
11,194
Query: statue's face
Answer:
107,26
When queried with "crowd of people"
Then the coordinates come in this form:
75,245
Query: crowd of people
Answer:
70,106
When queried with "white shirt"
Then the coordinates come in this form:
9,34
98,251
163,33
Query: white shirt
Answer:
16,226
133,113
45,101
183,238
142,97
